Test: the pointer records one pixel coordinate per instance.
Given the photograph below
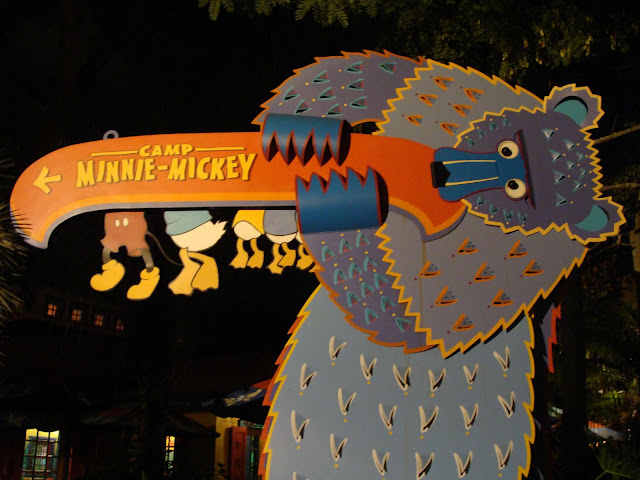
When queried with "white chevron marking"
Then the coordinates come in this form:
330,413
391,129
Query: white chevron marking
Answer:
504,361
344,407
463,468
304,378
402,380
336,452
367,370
503,459
423,468
468,421
471,377
296,430
436,383
509,407
381,466
333,352
424,423
387,420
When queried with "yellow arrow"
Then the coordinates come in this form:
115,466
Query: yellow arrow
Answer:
42,180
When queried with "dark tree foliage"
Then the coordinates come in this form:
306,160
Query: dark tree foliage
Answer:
509,38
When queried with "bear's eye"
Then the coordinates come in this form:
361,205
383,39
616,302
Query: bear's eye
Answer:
515,188
508,149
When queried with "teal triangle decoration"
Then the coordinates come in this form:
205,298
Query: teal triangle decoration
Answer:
361,239
366,289
388,67
577,185
327,94
370,315
481,133
359,103
522,217
583,172
492,127
302,107
508,214
380,280
354,271
291,94
480,201
357,85
354,68
386,304
506,122
547,132
334,111
344,246
327,254
560,200
554,155
557,176
470,142
352,298
580,156
369,263
569,145
570,164
321,78
403,324
338,277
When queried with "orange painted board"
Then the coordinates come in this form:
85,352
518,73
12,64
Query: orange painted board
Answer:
208,170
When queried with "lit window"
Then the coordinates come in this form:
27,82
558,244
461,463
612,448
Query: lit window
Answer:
76,315
253,455
40,455
119,325
98,319
52,309
169,451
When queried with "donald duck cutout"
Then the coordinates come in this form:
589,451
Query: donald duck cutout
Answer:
193,231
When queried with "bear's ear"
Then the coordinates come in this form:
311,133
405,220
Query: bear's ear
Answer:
577,103
603,220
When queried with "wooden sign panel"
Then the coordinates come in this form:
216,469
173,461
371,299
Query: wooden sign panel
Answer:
434,240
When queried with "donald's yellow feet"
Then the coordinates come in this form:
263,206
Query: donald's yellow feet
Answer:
242,257
112,273
182,284
304,259
257,258
289,257
207,275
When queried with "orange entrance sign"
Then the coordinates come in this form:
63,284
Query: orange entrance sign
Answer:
209,170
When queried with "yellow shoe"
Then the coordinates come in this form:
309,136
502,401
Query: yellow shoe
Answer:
305,260
274,266
257,258
289,257
148,282
207,275
112,273
242,257
182,284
